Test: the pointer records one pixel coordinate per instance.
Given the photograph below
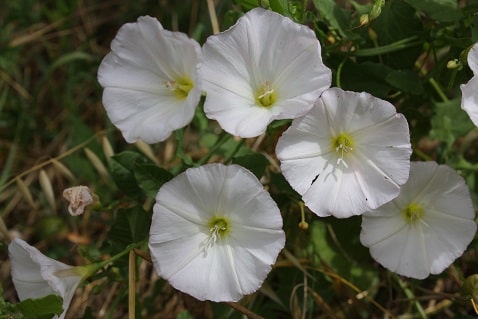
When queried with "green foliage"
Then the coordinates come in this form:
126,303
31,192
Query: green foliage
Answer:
41,308
130,226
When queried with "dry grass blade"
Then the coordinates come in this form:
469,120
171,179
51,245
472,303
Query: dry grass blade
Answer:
25,191
107,148
47,189
62,169
147,150
97,163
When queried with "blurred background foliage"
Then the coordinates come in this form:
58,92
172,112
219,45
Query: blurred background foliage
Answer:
54,134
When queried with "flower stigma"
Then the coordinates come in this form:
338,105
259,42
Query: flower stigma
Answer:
342,145
413,213
218,228
180,87
265,95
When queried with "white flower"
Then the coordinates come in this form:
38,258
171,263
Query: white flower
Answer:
348,155
469,100
36,275
79,198
150,80
265,67
215,232
426,227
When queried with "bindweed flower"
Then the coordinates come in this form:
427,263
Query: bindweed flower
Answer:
348,155
469,100
265,67
150,80
36,275
79,198
215,232
426,227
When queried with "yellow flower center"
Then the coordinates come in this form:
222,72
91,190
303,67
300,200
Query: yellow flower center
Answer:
180,87
343,145
218,228
413,213
265,95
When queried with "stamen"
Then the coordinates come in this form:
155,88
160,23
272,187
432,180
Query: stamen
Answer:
265,95
218,229
343,145
413,213
180,87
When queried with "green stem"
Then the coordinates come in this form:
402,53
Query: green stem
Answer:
452,79
338,78
121,254
223,138
421,154
180,147
389,48
438,89
236,149
408,292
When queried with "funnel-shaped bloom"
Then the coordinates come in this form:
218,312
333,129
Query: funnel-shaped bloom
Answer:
348,155
215,232
265,67
36,275
426,227
150,80
469,100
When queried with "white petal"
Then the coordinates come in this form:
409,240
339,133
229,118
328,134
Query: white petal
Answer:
336,192
440,236
33,274
469,100
144,57
446,237
304,150
262,46
221,269
473,58
368,175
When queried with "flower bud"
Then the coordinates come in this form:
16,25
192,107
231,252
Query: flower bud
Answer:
80,198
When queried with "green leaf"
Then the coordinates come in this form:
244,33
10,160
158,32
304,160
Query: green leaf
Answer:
405,80
255,162
337,245
184,314
122,167
449,121
247,4
45,307
279,6
440,10
338,18
131,226
150,177
368,77
398,21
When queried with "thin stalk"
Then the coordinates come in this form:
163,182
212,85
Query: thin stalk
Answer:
244,310
338,78
121,254
410,295
213,16
132,284
223,138
389,48
238,146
